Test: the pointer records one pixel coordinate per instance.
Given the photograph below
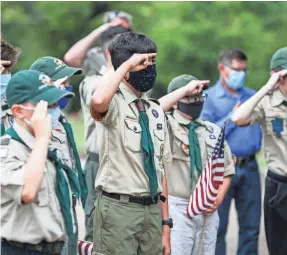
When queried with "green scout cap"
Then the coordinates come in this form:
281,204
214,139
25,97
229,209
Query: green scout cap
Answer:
179,82
279,59
54,68
33,86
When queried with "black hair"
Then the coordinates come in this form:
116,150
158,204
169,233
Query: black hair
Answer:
110,34
123,46
226,56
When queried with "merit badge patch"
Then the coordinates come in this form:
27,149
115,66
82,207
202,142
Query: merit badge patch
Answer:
159,126
154,113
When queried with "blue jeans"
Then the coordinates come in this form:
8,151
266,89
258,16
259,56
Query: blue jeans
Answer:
245,189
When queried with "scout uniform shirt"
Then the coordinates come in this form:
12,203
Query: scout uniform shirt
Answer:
7,118
179,175
119,139
37,221
271,113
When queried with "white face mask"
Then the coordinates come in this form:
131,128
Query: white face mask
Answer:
28,109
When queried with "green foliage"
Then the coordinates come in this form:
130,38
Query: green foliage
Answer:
189,35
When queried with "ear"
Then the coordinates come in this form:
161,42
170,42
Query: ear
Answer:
107,52
220,67
17,111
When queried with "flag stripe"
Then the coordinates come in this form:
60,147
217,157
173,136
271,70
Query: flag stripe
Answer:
207,187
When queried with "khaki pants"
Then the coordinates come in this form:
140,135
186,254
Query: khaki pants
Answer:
191,237
123,228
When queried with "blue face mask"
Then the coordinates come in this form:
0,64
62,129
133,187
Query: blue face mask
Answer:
64,101
55,115
236,79
5,78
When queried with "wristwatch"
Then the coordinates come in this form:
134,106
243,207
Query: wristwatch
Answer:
168,222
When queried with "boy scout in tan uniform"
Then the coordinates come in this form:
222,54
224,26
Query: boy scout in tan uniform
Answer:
269,108
87,88
9,57
134,153
37,187
196,236
62,134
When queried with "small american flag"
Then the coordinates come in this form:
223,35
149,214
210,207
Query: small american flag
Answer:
206,189
85,248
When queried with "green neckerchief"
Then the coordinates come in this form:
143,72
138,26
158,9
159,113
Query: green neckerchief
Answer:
194,149
3,108
148,148
62,189
81,175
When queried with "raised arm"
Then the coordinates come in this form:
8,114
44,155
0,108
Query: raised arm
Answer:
109,84
242,115
193,87
77,53
34,168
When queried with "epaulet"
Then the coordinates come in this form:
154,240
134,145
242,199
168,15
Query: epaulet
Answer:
5,140
154,100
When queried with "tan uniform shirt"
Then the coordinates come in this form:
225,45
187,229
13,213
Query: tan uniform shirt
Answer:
6,116
37,221
179,175
270,108
87,88
121,167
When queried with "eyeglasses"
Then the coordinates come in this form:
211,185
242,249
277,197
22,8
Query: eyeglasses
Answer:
238,69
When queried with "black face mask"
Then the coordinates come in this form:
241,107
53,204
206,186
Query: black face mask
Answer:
191,109
143,80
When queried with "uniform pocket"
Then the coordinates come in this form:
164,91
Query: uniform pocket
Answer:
132,135
158,142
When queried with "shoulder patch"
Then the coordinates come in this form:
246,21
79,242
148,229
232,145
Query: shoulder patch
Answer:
154,100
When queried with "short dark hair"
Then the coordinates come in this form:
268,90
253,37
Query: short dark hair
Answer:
123,46
10,53
226,56
110,34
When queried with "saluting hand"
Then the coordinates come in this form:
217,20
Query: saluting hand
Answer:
41,121
140,61
195,87
273,82
4,63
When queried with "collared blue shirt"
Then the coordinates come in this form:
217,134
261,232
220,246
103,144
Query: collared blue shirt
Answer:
243,141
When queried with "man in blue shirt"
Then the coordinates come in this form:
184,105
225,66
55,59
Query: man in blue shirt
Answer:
225,96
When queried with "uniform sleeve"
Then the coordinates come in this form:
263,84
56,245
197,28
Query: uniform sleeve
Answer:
229,167
167,155
111,116
12,177
87,88
258,113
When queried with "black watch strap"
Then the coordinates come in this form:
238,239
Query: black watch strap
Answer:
168,222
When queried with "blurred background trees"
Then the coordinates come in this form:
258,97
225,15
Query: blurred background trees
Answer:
189,35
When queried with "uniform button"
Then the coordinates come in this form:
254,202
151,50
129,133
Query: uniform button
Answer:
135,128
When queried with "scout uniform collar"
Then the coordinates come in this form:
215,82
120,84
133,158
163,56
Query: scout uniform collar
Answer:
277,98
129,96
27,138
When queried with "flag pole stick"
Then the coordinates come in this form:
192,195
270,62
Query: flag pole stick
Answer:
201,251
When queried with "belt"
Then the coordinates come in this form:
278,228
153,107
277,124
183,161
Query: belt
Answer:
145,200
50,248
243,161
